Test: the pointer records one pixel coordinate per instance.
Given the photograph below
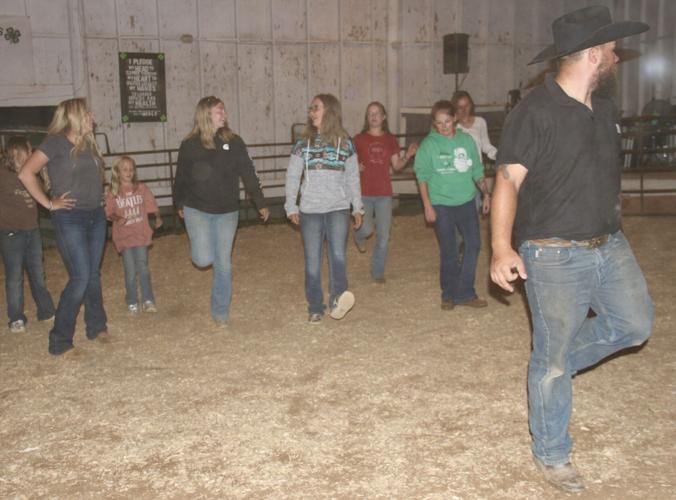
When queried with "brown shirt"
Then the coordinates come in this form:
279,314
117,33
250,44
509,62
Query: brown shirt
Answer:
18,210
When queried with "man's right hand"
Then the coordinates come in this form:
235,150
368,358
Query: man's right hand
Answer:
506,267
295,218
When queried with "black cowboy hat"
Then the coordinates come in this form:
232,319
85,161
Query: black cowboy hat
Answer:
584,28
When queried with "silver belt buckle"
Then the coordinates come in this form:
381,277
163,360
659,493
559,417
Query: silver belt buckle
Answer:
598,241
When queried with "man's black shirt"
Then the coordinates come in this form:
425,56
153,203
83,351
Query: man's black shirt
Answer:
572,190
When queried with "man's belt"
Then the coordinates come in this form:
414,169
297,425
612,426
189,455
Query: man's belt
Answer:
556,242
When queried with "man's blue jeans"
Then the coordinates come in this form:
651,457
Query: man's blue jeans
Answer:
23,250
378,216
563,284
457,277
81,239
135,262
315,228
211,238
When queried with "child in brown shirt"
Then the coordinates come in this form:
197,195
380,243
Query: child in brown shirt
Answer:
20,240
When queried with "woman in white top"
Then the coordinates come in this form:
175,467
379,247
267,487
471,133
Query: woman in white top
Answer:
473,125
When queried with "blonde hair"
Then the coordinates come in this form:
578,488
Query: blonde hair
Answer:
332,122
204,127
71,116
115,174
385,127
10,156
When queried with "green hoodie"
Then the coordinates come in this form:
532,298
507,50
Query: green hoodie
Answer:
450,166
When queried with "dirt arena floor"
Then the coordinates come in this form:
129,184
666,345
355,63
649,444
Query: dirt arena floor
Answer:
398,400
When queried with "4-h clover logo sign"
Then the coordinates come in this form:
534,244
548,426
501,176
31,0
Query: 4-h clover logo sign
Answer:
10,34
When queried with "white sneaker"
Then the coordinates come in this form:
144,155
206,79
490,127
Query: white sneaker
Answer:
133,308
149,307
17,326
342,305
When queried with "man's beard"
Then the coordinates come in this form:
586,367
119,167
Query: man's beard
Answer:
606,83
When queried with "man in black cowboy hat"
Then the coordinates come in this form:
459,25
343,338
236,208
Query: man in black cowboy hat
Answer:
558,187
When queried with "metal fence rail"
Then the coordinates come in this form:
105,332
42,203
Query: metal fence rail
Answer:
649,152
271,177
649,156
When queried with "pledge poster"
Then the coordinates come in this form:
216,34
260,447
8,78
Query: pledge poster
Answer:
143,92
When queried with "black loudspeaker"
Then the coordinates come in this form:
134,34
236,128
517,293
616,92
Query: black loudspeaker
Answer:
455,53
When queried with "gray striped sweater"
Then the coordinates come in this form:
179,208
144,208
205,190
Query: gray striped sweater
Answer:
330,178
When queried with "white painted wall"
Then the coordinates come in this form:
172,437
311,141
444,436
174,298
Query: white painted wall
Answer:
267,58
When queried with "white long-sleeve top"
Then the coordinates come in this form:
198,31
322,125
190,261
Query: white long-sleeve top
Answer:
479,132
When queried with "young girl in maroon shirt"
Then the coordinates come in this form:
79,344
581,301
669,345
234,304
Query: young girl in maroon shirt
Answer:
378,151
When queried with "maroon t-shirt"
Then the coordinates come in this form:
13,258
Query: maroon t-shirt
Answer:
132,207
375,153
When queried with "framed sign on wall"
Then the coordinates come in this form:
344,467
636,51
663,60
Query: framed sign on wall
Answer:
143,92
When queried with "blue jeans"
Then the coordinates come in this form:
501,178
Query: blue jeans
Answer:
563,284
81,239
315,228
211,238
457,277
23,250
135,262
378,216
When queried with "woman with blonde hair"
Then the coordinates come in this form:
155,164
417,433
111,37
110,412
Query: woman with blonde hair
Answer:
75,170
211,160
326,161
